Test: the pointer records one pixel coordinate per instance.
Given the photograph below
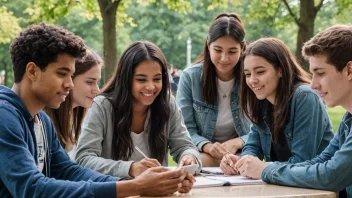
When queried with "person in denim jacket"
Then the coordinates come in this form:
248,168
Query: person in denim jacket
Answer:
278,100
330,58
208,92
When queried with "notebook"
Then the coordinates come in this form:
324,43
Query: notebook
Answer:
212,171
215,177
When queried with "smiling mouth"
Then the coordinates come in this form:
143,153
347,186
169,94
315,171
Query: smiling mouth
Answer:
148,94
63,94
257,88
323,94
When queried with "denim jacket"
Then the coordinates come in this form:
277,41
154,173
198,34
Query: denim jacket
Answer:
200,117
308,130
331,170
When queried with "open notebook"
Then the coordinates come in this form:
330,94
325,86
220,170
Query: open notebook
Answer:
214,177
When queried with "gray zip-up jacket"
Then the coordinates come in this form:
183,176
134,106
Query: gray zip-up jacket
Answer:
94,144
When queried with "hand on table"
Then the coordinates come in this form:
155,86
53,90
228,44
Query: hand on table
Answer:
250,166
186,184
216,150
160,181
138,168
233,145
187,160
227,164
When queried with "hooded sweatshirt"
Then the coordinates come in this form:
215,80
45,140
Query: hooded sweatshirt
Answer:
19,175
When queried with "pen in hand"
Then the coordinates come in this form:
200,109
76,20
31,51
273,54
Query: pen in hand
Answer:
147,162
141,152
230,162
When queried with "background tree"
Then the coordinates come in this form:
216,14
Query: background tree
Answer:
9,28
109,10
9,25
301,12
169,28
52,10
305,22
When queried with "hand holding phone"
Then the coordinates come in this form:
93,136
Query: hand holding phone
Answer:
191,168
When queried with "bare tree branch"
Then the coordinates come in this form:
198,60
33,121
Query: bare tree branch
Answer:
291,13
272,18
113,4
317,8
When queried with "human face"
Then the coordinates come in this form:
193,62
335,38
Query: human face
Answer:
224,53
261,77
333,86
86,87
51,86
147,83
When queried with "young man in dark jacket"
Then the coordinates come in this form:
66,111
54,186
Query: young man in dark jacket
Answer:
33,163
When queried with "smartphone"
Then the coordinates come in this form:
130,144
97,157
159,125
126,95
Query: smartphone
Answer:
191,168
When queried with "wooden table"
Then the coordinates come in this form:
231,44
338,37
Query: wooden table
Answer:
263,190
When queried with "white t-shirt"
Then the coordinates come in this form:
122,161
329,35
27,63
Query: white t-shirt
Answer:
224,128
72,153
41,144
141,141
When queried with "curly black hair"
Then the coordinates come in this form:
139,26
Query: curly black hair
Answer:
41,44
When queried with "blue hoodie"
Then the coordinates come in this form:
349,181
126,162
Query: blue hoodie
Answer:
19,176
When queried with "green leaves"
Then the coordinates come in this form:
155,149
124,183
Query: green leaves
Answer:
9,26
49,10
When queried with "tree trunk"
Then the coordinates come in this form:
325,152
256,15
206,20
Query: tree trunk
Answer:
308,12
108,12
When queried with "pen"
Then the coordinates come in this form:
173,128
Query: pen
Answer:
229,161
211,172
140,151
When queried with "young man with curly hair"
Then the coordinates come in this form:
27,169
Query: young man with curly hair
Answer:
33,163
330,58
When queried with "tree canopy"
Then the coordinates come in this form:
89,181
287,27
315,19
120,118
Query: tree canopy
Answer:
109,26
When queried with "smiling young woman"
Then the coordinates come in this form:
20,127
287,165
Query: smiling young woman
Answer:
208,92
135,108
68,118
290,122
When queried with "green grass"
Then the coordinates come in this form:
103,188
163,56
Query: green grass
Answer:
335,114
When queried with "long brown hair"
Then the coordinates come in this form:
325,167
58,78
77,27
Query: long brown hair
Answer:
277,54
225,24
119,92
67,121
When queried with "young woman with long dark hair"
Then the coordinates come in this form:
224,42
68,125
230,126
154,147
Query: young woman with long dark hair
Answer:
208,92
135,109
290,122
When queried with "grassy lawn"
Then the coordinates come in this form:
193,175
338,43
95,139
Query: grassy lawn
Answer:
335,114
